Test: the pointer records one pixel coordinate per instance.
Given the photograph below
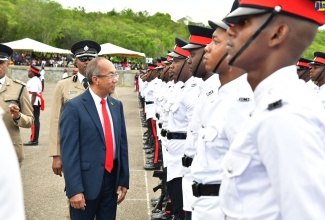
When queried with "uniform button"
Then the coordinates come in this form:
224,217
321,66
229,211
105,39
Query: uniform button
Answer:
203,136
191,130
203,126
192,208
229,169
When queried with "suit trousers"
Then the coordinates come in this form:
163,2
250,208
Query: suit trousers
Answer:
105,205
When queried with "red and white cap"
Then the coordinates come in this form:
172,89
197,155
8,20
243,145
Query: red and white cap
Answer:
304,9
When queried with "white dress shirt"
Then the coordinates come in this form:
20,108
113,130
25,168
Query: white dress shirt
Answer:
274,169
98,105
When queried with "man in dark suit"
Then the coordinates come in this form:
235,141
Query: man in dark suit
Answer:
94,146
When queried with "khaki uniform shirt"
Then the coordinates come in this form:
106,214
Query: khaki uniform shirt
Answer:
65,90
10,91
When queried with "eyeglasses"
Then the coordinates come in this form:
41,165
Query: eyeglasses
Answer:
84,59
110,75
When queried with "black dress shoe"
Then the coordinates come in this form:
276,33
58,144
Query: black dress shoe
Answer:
31,143
151,166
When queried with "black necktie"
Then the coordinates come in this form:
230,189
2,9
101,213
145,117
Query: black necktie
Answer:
85,83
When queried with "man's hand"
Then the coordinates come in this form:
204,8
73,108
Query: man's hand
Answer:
57,165
121,192
14,111
78,201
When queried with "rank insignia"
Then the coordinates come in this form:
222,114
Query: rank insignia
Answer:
274,105
209,93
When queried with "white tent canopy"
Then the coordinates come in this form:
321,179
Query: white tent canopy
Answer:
28,44
113,50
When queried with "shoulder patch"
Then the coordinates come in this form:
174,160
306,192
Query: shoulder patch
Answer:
275,105
18,81
244,99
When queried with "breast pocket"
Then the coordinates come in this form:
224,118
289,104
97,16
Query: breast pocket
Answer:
11,98
235,164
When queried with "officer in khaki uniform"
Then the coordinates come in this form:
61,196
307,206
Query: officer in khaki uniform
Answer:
14,100
65,90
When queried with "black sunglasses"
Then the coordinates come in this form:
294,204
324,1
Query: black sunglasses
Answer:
84,59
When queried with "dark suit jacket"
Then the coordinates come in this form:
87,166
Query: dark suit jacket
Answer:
83,146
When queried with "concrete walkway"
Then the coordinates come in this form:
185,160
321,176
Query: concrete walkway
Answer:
43,191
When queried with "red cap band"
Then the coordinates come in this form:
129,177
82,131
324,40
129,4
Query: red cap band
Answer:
182,52
303,64
319,60
33,70
302,8
200,40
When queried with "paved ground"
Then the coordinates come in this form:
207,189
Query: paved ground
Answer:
43,191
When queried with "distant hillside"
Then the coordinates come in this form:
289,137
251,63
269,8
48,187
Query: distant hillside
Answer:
47,21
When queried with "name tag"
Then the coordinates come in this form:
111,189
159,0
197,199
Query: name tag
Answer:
244,99
71,92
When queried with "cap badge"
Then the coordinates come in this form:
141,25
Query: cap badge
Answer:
86,48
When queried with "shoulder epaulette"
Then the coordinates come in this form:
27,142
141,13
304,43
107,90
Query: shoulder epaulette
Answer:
18,81
66,77
274,105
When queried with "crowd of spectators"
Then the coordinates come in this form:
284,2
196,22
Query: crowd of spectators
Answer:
58,60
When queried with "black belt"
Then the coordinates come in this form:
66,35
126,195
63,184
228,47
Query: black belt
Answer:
174,135
163,132
187,161
151,102
200,189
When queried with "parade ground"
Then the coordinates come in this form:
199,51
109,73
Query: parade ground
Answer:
44,194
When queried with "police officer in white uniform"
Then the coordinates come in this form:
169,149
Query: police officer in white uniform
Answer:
317,73
179,116
303,71
199,38
222,117
274,169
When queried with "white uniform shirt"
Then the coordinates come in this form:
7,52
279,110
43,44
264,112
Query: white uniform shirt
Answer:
34,85
274,169
321,94
312,86
208,92
179,116
11,190
223,118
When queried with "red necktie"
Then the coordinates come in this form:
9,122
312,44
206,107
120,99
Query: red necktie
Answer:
108,138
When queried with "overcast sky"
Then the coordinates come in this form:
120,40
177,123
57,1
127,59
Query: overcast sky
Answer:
199,11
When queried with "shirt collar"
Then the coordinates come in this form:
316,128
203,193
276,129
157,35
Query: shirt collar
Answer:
80,77
275,82
96,98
